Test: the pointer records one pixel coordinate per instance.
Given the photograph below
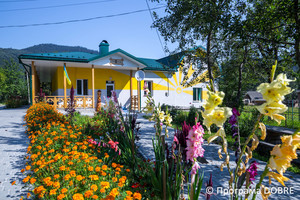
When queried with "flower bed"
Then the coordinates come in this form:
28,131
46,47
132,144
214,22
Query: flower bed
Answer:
63,164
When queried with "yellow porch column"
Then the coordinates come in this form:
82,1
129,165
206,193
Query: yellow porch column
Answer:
93,85
138,93
65,89
33,82
130,85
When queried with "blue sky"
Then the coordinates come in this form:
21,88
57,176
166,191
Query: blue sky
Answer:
131,33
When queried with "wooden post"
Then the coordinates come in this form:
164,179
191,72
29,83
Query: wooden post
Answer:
33,82
65,89
93,85
98,101
84,102
131,88
138,94
55,102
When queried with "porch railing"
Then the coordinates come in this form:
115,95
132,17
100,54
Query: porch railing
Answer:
58,101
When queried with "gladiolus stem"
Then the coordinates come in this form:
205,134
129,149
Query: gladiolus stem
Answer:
244,149
261,179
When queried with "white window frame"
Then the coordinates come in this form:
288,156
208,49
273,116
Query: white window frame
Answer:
199,100
110,84
148,87
82,89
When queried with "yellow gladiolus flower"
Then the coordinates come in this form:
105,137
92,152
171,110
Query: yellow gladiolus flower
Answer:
214,99
272,110
220,133
168,120
280,178
217,116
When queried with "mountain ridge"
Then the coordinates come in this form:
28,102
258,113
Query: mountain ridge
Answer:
11,53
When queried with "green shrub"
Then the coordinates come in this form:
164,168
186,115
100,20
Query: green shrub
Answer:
13,103
192,115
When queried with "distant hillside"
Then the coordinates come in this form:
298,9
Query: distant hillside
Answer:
9,53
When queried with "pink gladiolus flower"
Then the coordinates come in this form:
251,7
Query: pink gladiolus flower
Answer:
195,168
194,143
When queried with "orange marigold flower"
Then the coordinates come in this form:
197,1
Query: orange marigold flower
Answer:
67,177
114,192
14,182
90,168
61,196
64,190
52,192
102,190
114,179
129,193
25,180
94,197
114,165
104,167
28,195
127,170
79,178
62,168
70,183
97,169
137,195
28,167
22,170
94,177
32,180
94,187
56,184
56,176
88,193
104,184
78,196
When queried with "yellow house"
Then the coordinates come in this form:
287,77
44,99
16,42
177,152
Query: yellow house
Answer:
166,78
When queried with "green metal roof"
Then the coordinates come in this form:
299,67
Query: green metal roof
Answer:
60,56
152,64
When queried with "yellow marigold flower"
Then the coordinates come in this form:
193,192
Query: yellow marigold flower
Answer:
94,187
137,195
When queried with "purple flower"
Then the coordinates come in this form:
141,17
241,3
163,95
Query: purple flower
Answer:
252,171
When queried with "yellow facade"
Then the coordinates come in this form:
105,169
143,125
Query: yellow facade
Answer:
122,81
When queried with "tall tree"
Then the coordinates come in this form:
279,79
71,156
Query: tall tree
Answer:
190,21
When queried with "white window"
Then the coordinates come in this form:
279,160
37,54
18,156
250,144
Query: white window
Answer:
82,86
197,94
110,86
149,86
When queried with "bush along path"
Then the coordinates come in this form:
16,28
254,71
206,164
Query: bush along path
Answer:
64,163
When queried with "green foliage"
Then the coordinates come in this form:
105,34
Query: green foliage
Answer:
12,81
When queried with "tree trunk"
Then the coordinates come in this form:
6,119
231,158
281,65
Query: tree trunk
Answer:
208,52
297,35
239,91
